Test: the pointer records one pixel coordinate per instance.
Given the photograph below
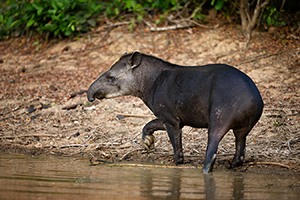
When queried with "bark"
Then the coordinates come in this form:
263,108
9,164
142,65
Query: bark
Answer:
249,18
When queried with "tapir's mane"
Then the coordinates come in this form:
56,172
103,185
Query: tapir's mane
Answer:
146,55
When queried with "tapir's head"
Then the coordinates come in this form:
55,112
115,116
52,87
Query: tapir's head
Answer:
118,80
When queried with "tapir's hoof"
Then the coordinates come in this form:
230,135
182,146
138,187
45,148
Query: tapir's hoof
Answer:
208,165
237,162
206,170
148,143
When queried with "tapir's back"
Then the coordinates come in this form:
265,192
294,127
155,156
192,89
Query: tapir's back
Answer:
197,92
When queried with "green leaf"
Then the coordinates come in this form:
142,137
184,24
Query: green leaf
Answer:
269,20
15,23
9,21
173,2
68,32
212,2
219,4
53,4
30,22
139,17
50,27
35,43
117,11
56,32
38,7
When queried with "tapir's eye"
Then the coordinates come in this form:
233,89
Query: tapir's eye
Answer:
111,79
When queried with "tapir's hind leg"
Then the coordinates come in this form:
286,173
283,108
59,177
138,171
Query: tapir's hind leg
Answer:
148,130
215,134
240,143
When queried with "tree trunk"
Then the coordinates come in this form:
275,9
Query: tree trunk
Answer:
249,19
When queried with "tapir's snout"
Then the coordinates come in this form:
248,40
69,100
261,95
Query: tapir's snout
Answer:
97,90
92,91
90,96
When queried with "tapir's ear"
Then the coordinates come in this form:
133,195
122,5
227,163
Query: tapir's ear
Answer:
135,59
125,53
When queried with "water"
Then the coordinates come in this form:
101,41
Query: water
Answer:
49,177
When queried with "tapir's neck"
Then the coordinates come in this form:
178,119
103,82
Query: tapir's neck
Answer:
148,74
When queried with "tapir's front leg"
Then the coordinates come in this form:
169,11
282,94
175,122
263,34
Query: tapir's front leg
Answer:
148,130
175,135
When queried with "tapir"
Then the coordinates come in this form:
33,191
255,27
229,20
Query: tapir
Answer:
214,96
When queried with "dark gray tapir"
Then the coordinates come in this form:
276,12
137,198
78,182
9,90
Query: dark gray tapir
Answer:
216,96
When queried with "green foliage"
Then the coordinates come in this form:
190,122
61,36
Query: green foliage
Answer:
273,17
49,17
63,18
218,4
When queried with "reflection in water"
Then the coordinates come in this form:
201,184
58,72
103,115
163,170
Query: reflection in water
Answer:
24,177
210,186
150,186
238,186
153,186
174,187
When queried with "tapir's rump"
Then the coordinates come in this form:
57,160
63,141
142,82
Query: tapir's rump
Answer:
216,96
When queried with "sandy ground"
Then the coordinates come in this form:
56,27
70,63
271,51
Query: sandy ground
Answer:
46,77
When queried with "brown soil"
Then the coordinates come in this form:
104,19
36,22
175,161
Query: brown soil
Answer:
47,76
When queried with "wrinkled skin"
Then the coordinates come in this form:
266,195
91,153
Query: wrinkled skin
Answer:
217,96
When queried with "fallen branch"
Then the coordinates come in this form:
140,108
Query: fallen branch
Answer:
116,24
29,135
133,115
226,54
91,135
124,147
12,115
268,163
150,166
177,26
79,50
259,57
73,106
287,143
126,154
74,145
85,145
69,96
282,109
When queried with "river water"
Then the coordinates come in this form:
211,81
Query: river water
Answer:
50,177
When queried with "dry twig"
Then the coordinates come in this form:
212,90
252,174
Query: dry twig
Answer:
150,166
268,163
173,27
85,145
126,154
133,115
28,135
80,50
259,57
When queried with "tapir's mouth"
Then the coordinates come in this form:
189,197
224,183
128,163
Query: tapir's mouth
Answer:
100,94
